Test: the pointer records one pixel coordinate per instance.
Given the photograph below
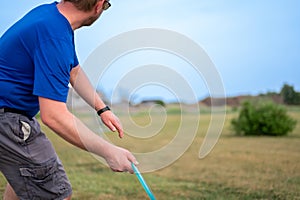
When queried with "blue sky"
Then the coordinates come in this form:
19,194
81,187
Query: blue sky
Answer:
255,45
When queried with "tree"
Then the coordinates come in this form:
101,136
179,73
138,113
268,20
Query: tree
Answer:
263,118
289,95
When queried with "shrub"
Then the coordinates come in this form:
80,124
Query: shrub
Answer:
263,118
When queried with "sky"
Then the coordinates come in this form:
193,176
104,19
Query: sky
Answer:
254,45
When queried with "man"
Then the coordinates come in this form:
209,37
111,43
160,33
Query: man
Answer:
37,62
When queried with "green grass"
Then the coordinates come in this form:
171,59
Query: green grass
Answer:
237,168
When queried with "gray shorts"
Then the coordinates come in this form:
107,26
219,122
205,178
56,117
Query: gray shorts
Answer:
28,160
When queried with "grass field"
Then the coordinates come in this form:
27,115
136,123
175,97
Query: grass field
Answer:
237,168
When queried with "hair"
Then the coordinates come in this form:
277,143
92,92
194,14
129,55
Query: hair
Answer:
83,5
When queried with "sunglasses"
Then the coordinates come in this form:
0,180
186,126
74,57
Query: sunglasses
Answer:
106,5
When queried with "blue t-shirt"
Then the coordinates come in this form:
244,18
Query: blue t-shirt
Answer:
36,56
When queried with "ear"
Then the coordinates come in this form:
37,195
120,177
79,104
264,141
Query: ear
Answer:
99,6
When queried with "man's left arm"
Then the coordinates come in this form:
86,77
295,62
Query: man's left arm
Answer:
84,88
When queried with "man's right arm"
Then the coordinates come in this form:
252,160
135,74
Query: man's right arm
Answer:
57,117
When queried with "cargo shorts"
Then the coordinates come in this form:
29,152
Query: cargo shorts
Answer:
28,160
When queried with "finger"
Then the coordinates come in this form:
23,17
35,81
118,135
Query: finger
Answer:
115,128
116,170
111,126
120,131
127,168
133,160
119,128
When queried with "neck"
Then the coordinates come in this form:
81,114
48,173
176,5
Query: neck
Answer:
72,14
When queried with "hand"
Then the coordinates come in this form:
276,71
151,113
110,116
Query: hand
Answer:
112,122
119,159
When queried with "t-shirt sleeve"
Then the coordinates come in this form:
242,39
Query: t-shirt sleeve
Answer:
53,61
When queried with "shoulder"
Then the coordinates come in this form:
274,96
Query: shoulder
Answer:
47,20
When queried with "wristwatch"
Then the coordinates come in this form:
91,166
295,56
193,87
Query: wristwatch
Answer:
106,108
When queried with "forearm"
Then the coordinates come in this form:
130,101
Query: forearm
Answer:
56,116
71,129
84,88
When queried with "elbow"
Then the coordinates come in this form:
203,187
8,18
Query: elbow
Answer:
48,119
45,119
52,113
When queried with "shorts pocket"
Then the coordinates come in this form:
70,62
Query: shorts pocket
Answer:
26,130
29,129
10,127
43,181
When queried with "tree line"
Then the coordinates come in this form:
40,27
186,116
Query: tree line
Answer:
289,95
